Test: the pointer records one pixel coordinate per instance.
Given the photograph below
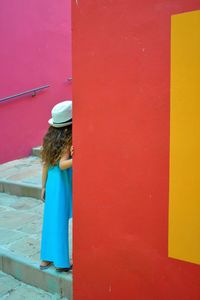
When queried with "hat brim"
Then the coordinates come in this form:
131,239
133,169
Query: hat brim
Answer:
58,125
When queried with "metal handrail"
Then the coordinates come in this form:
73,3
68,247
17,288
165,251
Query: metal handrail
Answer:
33,91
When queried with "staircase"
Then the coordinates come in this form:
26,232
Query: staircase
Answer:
21,212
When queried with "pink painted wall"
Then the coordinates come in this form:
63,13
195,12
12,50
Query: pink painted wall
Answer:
35,50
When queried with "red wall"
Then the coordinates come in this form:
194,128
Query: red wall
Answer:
35,50
121,71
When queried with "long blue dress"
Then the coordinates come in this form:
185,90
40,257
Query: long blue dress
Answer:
57,211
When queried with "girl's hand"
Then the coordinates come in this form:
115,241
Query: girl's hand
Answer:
43,194
65,161
72,150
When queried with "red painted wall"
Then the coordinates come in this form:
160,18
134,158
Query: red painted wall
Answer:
121,71
35,50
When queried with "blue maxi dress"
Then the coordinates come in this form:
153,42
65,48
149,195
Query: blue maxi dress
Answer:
57,211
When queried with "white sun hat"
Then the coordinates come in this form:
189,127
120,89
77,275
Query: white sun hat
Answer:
61,114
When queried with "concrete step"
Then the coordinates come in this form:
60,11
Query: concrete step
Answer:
13,289
29,273
20,232
36,151
21,177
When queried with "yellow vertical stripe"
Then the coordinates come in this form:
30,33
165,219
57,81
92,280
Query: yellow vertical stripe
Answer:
184,202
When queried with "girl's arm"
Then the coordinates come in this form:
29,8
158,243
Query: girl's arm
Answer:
44,179
65,162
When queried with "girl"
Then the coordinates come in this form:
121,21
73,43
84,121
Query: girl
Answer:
57,188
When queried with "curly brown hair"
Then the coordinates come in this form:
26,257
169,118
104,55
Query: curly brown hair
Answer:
55,142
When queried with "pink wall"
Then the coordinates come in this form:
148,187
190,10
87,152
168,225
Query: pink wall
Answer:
121,92
35,50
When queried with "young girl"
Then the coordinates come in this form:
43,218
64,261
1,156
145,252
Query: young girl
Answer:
57,188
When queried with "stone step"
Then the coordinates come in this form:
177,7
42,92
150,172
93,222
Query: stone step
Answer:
13,289
20,232
36,151
29,273
21,177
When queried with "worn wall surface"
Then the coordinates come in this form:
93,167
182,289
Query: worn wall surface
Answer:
121,90
35,51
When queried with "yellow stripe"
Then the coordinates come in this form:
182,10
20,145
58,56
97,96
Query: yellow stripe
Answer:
184,204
